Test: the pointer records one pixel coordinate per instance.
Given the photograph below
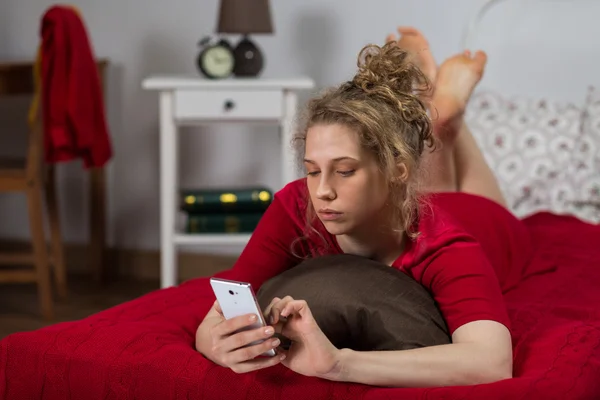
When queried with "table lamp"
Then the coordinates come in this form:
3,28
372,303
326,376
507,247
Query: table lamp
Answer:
246,17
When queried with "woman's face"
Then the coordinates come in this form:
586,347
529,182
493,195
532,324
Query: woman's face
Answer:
346,187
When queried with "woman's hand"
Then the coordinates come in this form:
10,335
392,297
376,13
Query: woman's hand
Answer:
216,340
310,353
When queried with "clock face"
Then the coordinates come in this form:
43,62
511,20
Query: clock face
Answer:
218,62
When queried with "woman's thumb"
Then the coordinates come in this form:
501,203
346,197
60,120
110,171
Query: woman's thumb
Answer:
217,307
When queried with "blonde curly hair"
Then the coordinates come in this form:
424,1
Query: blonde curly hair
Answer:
384,103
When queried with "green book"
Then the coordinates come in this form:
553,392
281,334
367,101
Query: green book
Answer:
222,223
226,201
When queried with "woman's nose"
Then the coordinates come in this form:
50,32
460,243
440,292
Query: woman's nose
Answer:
325,191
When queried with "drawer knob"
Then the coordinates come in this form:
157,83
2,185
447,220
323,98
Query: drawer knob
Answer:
229,105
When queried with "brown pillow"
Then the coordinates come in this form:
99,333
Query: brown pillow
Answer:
362,304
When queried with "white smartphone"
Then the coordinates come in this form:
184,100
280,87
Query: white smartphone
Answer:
238,298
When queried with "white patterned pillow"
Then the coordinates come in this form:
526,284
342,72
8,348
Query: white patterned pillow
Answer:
585,170
534,147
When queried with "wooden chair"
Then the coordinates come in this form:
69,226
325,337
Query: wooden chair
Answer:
36,180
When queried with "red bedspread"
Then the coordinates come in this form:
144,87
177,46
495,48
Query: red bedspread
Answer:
143,349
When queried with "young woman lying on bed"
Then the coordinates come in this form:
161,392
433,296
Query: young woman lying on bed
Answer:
368,151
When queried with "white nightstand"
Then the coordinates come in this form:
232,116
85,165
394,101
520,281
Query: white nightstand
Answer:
197,101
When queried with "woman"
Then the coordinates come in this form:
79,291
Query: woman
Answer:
363,145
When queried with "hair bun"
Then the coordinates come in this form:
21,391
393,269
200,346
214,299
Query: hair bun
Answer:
387,74
389,67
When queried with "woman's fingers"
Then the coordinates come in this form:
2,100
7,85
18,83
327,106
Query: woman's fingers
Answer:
299,307
229,326
260,363
267,310
244,338
277,308
236,346
251,352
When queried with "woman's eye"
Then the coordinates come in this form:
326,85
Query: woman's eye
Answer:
312,173
346,173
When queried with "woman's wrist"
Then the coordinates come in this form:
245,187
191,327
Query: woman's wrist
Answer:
204,339
340,372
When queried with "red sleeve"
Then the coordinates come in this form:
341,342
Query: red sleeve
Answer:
269,250
464,285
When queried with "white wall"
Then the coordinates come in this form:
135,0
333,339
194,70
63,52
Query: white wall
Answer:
319,38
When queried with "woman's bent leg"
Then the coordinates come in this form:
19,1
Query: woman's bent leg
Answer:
456,162
473,173
457,78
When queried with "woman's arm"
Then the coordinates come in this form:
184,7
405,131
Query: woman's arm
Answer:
481,352
467,291
269,250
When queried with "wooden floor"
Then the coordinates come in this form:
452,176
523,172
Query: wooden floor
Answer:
19,309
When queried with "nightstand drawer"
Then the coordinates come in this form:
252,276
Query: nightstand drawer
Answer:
223,104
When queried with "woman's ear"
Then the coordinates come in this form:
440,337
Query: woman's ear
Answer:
401,173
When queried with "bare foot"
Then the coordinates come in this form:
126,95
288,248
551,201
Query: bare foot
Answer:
456,79
415,43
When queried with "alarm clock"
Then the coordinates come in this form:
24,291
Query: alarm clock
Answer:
216,61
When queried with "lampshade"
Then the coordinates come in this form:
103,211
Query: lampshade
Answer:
245,17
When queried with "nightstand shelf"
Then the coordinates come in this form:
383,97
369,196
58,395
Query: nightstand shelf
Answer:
212,239
188,101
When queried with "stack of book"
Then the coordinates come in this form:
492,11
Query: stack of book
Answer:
224,210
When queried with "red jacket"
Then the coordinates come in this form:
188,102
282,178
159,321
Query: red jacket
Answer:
71,94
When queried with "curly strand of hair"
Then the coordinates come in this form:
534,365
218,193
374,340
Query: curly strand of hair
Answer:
308,232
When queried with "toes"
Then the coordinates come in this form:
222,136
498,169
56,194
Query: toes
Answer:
390,38
408,30
480,56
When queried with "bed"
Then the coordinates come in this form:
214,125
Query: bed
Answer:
144,349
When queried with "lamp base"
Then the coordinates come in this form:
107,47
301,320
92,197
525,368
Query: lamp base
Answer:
248,58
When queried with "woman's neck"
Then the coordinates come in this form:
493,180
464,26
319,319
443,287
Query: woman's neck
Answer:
383,245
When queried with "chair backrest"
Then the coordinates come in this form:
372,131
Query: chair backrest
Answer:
16,78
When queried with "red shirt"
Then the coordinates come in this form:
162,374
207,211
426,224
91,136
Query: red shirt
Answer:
444,259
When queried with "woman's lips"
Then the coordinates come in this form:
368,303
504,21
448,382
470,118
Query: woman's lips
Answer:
329,215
